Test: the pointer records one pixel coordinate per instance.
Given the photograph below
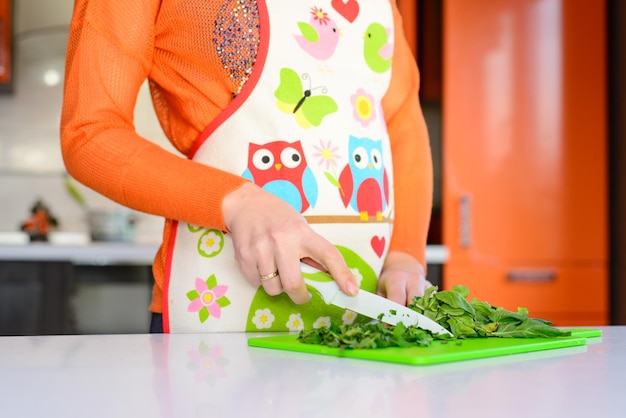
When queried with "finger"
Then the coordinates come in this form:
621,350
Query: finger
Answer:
248,264
250,271
394,290
268,275
291,279
266,268
416,288
336,266
272,284
254,260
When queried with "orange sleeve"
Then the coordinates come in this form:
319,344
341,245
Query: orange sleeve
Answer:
411,153
110,54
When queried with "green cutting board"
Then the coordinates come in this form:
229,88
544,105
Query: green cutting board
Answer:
438,352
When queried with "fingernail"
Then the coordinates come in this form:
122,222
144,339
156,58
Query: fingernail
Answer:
353,288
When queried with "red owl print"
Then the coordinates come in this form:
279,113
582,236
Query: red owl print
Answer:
280,168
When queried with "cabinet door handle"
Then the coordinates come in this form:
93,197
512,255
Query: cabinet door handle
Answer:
531,276
465,221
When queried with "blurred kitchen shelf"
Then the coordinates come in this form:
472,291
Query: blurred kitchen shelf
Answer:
94,253
31,173
110,253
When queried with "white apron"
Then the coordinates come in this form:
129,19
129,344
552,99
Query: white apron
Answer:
308,127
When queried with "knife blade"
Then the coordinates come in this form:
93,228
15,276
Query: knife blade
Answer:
368,304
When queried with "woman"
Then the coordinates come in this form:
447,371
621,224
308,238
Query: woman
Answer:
288,114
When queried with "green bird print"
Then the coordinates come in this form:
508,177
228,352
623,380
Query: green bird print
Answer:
377,48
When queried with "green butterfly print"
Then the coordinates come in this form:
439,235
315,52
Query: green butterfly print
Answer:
308,109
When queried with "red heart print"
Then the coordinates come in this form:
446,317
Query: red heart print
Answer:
378,245
348,9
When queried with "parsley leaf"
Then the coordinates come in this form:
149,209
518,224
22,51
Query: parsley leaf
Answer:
449,308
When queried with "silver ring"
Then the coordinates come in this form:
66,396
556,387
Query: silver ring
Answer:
269,276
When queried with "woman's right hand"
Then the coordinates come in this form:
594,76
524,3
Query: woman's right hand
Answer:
269,236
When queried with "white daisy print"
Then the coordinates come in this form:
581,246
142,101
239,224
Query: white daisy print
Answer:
211,243
263,318
357,275
295,322
322,322
348,317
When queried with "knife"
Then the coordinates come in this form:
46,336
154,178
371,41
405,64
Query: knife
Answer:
367,304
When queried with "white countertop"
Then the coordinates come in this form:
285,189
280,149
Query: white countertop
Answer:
102,253
218,375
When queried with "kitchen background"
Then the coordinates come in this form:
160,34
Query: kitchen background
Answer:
31,165
110,298
529,114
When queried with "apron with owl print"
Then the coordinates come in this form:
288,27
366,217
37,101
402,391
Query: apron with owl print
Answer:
308,127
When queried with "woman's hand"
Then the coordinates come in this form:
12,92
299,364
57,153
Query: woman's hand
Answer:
402,278
270,236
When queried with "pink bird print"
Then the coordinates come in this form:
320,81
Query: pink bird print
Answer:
318,37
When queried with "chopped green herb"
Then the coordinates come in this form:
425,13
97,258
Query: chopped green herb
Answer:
449,308
369,335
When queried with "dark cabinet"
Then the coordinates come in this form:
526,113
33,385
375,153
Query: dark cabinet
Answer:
35,298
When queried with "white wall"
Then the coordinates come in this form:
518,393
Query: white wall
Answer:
31,166
38,14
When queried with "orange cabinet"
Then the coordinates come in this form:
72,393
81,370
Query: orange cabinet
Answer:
564,294
524,155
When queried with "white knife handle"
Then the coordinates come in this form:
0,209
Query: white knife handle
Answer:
328,290
305,268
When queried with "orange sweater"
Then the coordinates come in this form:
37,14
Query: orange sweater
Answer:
115,45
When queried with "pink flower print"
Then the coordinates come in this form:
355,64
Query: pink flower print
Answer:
326,154
319,16
363,106
207,363
208,298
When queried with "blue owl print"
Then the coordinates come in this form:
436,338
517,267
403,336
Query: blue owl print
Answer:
363,181
280,168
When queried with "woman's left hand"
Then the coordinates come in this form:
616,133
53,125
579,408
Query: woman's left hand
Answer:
402,278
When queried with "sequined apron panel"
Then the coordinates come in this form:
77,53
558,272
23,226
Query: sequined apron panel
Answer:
308,127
